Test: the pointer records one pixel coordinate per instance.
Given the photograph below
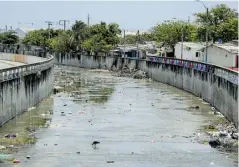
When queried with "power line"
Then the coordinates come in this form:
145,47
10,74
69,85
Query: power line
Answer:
64,23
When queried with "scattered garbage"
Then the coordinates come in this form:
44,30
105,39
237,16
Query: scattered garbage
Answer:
65,105
211,163
214,143
11,136
110,161
28,157
16,161
6,156
78,152
2,147
55,144
62,113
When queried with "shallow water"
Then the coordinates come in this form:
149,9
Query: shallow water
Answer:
138,123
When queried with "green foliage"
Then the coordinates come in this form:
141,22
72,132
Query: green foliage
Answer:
222,23
9,37
62,43
40,37
170,32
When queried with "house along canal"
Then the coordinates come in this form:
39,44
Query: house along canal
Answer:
137,122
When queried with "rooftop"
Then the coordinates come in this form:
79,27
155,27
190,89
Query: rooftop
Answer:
228,47
193,45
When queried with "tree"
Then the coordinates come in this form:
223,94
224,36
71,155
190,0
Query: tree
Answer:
62,43
170,32
40,37
9,37
222,23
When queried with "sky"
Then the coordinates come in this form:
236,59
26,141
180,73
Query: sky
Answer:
130,15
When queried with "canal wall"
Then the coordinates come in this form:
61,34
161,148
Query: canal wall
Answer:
24,86
215,84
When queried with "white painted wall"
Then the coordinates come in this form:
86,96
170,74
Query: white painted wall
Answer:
187,54
221,57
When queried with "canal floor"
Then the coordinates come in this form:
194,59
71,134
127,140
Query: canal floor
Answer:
139,123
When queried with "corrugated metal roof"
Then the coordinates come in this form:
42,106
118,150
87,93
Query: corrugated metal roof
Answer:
228,47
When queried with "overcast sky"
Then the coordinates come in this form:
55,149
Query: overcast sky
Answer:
129,15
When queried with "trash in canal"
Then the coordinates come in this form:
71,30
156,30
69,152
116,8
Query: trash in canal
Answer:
6,157
152,141
28,157
132,153
2,147
55,144
65,105
211,163
78,152
69,112
110,161
11,136
16,161
62,113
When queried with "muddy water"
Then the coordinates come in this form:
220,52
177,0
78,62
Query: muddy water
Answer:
138,123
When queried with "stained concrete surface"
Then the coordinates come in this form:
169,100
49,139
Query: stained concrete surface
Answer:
9,64
139,123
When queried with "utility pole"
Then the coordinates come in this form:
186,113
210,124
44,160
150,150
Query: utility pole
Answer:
206,37
64,23
88,20
207,24
49,23
6,27
182,43
182,38
138,43
124,43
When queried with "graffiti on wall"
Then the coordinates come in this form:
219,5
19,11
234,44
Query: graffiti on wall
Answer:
228,75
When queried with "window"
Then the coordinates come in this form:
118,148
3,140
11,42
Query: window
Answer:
197,54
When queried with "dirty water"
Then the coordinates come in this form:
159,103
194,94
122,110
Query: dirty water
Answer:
137,122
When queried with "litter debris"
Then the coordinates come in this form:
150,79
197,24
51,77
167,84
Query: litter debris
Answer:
2,147
62,113
16,161
28,157
110,161
11,136
78,152
65,105
211,163
55,144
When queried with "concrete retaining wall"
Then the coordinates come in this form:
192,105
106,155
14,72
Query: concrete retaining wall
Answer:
216,85
24,86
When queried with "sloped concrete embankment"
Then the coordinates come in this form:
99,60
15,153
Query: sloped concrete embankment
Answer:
24,86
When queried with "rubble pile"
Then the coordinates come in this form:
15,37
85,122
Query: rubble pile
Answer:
134,73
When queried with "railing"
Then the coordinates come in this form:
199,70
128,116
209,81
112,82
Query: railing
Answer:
230,75
22,70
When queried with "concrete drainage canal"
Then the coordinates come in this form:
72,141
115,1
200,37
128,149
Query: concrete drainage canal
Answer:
137,122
